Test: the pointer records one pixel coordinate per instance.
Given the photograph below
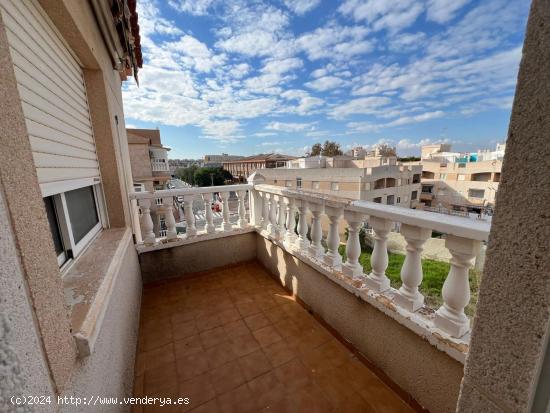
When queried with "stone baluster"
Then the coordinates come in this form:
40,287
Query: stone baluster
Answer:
265,210
255,200
208,216
352,268
272,225
241,223
408,295
316,249
302,242
450,317
135,221
226,225
281,213
290,235
190,230
333,257
377,279
171,232
146,222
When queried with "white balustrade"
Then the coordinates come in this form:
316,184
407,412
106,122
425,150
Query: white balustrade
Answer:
290,235
226,225
281,214
146,222
408,295
265,211
450,317
316,249
171,232
272,215
209,217
352,268
241,223
332,256
377,279
302,242
190,230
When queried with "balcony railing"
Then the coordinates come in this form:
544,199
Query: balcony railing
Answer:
159,165
273,212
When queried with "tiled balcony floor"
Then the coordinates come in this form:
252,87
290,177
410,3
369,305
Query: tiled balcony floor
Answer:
234,341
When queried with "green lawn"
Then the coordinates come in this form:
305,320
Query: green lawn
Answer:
434,271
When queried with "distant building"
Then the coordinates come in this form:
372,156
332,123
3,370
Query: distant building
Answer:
176,164
460,181
218,160
242,168
377,178
148,158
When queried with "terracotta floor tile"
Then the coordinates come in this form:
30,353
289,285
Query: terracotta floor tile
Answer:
184,329
229,315
208,407
293,375
239,400
156,338
355,404
220,354
199,390
187,346
279,353
266,336
182,317
213,337
192,365
160,380
247,308
208,322
286,328
244,344
256,321
154,358
267,390
254,364
235,329
309,399
275,314
227,377
336,389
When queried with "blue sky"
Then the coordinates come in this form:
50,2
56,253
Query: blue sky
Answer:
246,77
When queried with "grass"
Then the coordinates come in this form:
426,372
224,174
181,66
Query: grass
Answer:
434,271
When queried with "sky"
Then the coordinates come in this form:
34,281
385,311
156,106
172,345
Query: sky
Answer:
247,77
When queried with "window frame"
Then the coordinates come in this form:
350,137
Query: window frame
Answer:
72,249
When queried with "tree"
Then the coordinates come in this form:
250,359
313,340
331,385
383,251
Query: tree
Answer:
187,174
212,176
315,150
331,148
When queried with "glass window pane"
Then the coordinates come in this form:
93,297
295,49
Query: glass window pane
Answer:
82,211
54,224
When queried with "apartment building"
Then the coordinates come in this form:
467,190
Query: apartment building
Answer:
243,168
218,160
379,179
148,158
460,181
176,164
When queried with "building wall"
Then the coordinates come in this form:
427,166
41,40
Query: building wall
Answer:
511,326
140,161
429,375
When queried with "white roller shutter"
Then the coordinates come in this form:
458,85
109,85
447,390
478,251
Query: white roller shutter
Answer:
53,95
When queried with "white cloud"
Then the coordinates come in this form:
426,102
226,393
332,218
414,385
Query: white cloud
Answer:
441,11
407,42
301,7
393,15
366,105
416,118
325,83
194,54
195,7
289,126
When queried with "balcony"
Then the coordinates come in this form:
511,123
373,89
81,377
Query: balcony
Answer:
197,277
160,166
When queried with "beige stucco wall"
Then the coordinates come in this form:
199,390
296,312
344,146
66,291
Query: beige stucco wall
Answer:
140,161
513,311
429,375
197,257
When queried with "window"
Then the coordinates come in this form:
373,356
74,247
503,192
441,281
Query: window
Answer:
334,186
288,184
414,195
274,182
378,200
476,193
315,185
398,200
416,178
443,176
74,220
462,165
390,200
298,182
